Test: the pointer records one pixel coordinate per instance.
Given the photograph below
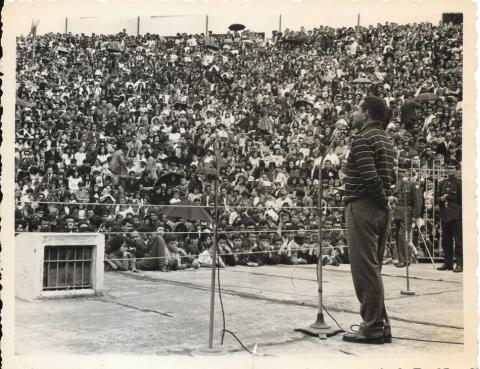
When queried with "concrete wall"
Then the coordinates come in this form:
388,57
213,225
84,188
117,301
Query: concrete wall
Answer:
29,258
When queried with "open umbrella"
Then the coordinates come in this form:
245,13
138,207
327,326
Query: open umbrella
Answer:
297,40
427,96
293,41
236,27
188,210
180,105
301,102
212,46
197,106
361,80
171,179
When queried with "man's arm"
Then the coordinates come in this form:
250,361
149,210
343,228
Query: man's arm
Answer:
120,261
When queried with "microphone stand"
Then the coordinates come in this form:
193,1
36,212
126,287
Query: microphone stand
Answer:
407,292
320,328
211,349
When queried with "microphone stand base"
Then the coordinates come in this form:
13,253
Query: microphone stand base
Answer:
214,351
320,323
407,293
319,329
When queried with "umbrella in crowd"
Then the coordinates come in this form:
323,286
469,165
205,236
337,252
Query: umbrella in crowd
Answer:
197,106
236,27
292,41
301,102
180,105
171,179
212,46
188,210
427,96
297,40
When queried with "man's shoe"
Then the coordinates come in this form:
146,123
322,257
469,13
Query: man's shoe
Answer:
400,265
458,269
445,267
356,338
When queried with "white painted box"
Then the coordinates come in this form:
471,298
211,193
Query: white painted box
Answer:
49,265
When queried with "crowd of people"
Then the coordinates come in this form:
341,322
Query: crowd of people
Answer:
112,131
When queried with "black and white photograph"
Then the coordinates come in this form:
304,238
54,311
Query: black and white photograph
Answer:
251,183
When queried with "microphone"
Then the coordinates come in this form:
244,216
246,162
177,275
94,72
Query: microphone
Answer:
340,125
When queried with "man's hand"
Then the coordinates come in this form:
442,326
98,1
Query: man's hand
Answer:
444,197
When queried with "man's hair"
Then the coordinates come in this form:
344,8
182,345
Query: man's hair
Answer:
127,220
170,238
116,242
223,237
376,107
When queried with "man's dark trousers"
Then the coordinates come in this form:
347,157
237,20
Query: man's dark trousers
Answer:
402,227
452,230
367,230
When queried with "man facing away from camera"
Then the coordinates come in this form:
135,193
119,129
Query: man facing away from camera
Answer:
369,178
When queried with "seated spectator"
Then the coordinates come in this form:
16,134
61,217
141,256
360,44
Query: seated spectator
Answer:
119,258
205,259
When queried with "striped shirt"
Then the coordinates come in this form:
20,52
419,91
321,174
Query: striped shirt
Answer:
370,166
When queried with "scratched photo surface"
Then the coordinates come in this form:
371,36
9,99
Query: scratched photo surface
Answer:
177,174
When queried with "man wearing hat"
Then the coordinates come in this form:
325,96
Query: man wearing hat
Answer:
450,198
409,206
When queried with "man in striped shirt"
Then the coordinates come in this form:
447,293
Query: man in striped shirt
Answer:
368,184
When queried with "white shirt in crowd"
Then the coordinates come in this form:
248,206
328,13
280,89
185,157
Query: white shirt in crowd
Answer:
80,156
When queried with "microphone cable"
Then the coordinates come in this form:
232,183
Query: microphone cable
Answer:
224,330
340,330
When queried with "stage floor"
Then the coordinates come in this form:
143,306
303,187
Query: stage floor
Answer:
168,313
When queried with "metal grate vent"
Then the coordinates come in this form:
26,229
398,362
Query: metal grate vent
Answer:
67,267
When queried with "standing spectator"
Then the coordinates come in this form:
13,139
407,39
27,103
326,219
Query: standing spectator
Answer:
450,193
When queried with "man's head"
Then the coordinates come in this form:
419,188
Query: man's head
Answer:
172,242
118,244
370,108
207,240
127,225
452,170
237,241
222,241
